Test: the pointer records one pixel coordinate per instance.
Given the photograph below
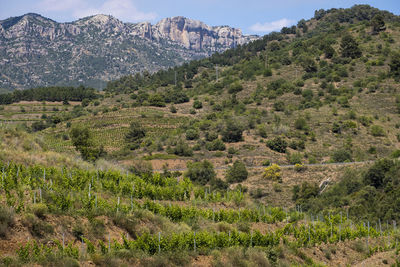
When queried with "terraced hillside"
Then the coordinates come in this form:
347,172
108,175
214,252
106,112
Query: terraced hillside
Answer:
160,169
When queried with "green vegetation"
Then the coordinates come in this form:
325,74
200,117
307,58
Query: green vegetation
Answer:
49,94
237,173
316,104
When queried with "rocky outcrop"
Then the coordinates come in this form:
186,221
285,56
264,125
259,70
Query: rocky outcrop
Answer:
37,51
196,35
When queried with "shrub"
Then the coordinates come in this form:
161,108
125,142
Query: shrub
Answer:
273,172
277,144
197,104
375,175
341,155
156,100
211,136
216,145
182,149
6,220
192,134
299,167
141,167
300,124
377,130
295,158
262,130
200,172
306,191
39,210
36,227
82,140
266,162
232,132
172,109
237,172
349,47
135,135
279,106
235,88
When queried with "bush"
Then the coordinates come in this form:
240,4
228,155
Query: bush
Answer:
299,167
232,132
156,100
197,104
235,88
262,130
295,158
172,109
277,144
273,173
341,155
375,176
6,220
135,135
349,47
182,149
300,124
36,227
200,172
279,106
82,140
39,210
141,167
266,162
192,134
377,130
216,145
211,136
237,172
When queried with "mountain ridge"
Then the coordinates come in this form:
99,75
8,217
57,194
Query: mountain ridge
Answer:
31,42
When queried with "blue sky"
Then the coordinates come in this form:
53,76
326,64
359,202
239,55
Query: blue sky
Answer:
252,16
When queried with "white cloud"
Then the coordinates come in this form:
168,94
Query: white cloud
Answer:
271,26
121,9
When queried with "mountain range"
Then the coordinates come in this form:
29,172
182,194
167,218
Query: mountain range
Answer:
37,51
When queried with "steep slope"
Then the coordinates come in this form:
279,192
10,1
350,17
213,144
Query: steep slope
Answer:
37,51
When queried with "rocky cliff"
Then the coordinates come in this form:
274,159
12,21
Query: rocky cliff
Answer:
37,51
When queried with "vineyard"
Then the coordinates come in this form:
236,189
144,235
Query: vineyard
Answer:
36,193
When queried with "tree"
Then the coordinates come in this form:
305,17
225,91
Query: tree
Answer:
395,66
277,144
308,64
376,173
349,47
232,132
135,135
341,155
378,24
83,142
237,172
201,172
183,149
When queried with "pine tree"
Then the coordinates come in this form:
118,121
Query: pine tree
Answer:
349,47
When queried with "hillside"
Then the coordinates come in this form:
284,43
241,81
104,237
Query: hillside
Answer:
289,99
280,152
37,51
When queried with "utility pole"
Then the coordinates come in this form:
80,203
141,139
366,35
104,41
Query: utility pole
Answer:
216,71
